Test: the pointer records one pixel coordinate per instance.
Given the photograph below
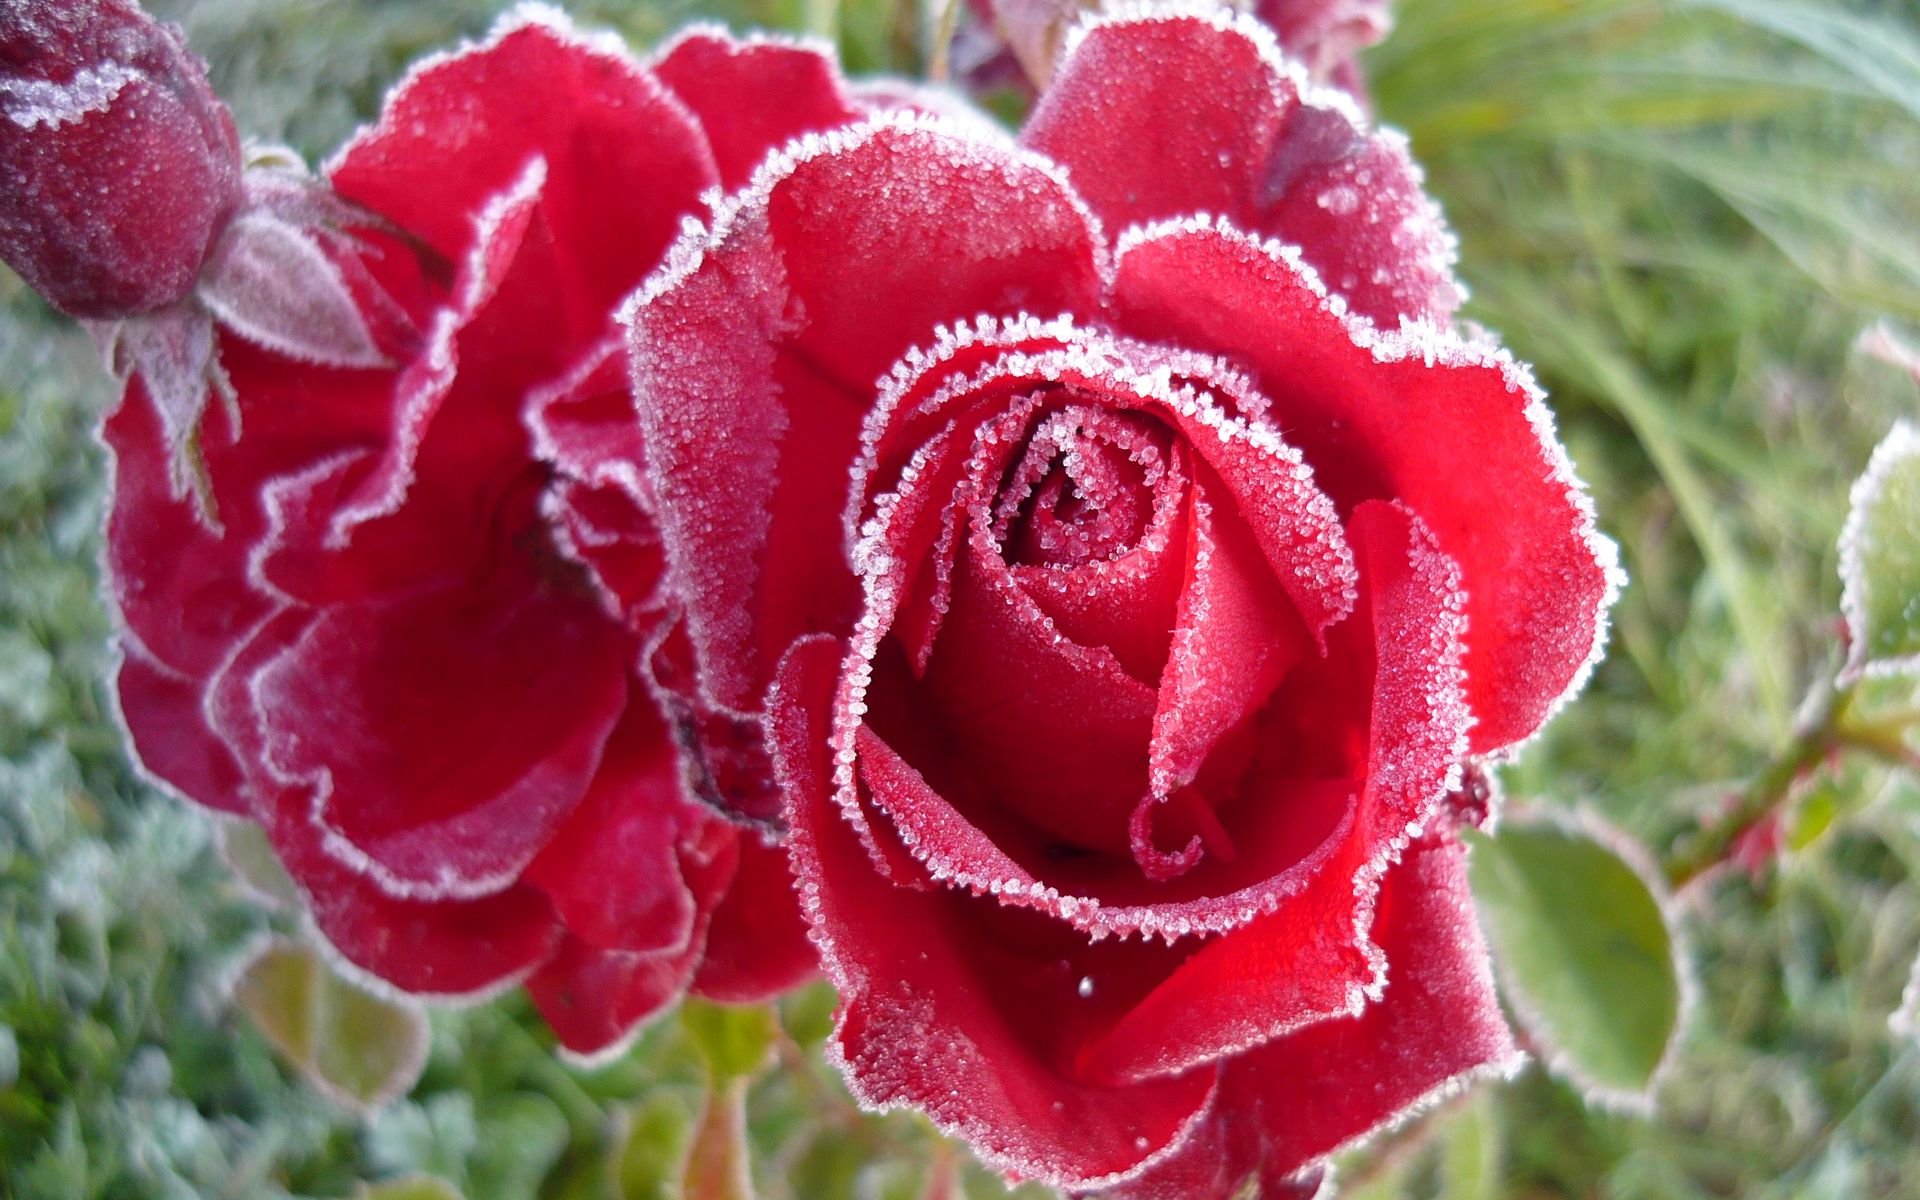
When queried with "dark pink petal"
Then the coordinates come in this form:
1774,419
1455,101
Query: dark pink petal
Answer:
119,167
757,944
1234,638
596,1000
181,588
448,733
776,325
1310,958
449,950
1456,431
623,160
753,96
1300,1098
1167,115
612,869
162,711
918,1023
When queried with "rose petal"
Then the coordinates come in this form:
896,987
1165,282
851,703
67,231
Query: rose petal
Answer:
926,1032
458,949
1457,431
597,1000
1298,1099
450,732
1311,959
757,944
753,96
846,250
169,734
1173,113
462,127
612,870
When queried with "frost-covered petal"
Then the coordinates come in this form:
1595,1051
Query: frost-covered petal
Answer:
461,128
775,324
753,95
595,1000
161,708
1438,1027
919,1022
448,949
757,943
612,869
1456,431
1235,636
1177,111
1311,957
448,733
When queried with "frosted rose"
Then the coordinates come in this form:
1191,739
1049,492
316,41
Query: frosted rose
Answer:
1131,565
118,165
406,639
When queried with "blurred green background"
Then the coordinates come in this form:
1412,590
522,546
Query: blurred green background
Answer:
1682,213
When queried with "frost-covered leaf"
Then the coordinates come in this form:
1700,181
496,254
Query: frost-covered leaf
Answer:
646,1149
521,1135
1586,954
356,1048
1905,1021
245,848
412,1187
270,282
173,353
1880,559
734,1039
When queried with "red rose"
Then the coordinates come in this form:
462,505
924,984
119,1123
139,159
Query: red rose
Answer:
410,647
118,165
1125,602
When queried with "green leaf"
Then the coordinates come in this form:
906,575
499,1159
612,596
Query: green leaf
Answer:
648,1145
735,1039
247,851
412,1187
358,1049
1880,559
1585,952
808,1013
521,1136
1470,1150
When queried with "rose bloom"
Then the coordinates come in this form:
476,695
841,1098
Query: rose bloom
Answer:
1133,569
119,167
406,636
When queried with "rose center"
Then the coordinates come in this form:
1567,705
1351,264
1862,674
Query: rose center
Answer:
1084,491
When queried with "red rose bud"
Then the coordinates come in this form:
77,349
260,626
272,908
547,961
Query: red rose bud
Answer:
120,166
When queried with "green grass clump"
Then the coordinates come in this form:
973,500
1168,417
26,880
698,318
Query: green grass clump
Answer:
1682,213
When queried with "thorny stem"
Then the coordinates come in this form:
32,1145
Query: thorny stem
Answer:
1825,729
1814,738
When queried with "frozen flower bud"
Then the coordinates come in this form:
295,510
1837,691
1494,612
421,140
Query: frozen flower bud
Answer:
119,168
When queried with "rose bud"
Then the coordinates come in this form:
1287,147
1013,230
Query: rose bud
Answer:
1130,566
119,168
411,651
1325,36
